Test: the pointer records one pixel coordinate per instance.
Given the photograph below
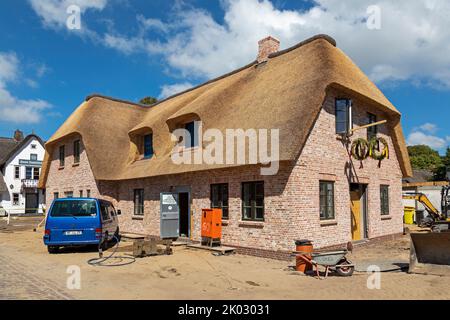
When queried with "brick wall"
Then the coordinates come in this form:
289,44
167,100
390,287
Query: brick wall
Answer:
291,197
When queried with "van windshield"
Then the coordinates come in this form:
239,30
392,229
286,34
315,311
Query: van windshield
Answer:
74,208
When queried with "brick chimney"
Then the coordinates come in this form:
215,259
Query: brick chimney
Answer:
267,46
18,135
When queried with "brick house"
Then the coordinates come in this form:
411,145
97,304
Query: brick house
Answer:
122,151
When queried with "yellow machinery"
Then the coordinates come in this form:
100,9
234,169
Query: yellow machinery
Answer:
435,218
430,250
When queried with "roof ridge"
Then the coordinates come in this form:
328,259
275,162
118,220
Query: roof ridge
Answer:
273,55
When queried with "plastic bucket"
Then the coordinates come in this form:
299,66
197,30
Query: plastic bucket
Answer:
301,264
409,215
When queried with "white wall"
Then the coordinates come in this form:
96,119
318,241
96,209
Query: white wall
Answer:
433,194
24,154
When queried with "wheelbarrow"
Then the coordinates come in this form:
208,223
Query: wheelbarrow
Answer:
335,260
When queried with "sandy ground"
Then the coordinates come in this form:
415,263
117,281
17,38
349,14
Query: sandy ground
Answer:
197,274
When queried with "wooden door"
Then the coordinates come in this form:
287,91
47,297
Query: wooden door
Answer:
355,197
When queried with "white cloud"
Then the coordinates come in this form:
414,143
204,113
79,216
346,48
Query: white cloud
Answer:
170,90
429,127
412,44
14,109
419,138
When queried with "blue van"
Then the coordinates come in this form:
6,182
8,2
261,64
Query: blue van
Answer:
79,222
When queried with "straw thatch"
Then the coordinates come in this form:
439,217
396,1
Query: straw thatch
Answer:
286,93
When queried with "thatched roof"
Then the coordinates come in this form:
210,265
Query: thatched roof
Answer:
9,146
286,93
3,187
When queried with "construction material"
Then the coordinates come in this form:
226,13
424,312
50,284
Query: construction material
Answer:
301,264
408,216
430,253
211,226
149,247
221,249
369,126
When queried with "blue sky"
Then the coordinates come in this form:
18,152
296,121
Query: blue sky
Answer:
134,48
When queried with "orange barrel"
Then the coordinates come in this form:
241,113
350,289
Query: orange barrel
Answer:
304,246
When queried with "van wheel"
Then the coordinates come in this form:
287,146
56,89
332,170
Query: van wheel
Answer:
104,244
117,235
53,249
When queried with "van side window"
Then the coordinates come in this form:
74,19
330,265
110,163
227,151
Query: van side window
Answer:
104,212
112,211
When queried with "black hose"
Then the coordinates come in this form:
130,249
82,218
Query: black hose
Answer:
100,261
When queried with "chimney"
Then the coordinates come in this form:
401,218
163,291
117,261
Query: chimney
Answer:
18,135
267,46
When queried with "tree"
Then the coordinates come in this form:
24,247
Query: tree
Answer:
440,173
425,158
148,100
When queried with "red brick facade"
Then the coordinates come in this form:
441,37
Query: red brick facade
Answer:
291,197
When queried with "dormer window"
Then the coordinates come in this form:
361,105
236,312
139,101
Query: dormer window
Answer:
344,122
148,146
142,144
191,140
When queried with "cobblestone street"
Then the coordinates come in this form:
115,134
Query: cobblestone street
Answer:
18,281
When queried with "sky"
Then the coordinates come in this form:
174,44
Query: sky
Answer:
130,49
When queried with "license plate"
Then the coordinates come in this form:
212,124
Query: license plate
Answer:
73,233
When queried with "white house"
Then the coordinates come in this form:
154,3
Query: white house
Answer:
20,166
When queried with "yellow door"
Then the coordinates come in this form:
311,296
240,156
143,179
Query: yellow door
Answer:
355,197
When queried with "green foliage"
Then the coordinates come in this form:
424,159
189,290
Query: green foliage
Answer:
440,173
425,158
148,100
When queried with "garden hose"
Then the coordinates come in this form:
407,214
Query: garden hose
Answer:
100,260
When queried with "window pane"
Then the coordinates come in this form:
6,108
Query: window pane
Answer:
36,174
326,200
61,156
192,140
247,213
148,146
76,151
342,115
28,172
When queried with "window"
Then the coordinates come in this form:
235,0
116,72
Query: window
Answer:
148,146
371,131
68,194
15,199
104,212
192,128
28,172
139,202
56,195
384,200
62,156
219,198
343,116
81,193
76,151
326,200
16,172
33,146
36,173
253,201
33,157
88,193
